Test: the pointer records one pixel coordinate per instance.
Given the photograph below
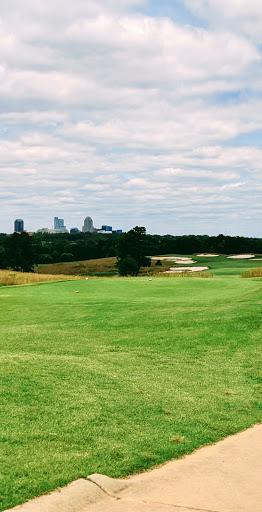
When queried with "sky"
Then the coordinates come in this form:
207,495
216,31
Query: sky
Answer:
132,112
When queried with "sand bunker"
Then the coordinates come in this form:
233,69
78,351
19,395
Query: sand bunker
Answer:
257,259
175,259
207,255
241,256
184,269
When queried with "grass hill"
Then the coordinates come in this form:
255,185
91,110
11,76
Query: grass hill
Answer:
104,267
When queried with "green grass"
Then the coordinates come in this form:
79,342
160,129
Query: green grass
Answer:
220,265
122,376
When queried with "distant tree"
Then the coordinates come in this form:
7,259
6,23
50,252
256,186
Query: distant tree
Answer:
55,256
158,263
111,252
20,253
46,259
3,262
131,252
67,256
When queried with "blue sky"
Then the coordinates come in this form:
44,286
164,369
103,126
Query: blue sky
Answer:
132,112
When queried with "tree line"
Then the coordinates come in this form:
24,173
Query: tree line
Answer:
22,252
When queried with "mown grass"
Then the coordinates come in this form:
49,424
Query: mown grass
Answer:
220,265
223,266
122,376
10,277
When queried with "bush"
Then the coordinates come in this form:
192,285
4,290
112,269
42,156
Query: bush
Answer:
127,266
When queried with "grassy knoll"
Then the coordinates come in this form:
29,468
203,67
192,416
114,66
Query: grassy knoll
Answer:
221,266
100,266
122,376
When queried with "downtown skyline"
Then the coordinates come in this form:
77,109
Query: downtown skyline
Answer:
142,112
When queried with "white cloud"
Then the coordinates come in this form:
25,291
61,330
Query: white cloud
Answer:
238,15
106,108
96,187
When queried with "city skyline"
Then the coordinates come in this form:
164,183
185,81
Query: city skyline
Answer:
59,226
144,112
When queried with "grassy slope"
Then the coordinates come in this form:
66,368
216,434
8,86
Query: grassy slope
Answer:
220,265
122,376
10,277
87,267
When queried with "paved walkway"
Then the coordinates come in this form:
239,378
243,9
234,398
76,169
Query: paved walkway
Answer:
225,477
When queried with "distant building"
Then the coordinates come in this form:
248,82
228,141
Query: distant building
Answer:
118,231
74,230
47,230
106,228
59,225
88,226
19,225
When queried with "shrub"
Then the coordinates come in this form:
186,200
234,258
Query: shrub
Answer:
127,266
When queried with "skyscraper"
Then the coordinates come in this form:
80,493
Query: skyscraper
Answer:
88,226
59,224
19,225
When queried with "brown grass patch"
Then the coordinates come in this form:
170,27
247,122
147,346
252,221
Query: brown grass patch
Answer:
153,272
254,272
101,265
9,277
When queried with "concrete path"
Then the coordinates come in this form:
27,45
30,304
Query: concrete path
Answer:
225,477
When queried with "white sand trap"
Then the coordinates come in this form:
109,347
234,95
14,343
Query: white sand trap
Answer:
207,255
241,256
257,259
175,259
184,269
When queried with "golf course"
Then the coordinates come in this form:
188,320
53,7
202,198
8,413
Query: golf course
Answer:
125,374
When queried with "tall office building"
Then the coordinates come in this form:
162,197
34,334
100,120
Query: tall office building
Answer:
59,224
19,225
88,226
106,228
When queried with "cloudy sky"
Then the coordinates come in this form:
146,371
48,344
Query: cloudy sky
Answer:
133,112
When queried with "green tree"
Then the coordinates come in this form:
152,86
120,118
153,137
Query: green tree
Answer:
67,256
20,253
131,252
127,266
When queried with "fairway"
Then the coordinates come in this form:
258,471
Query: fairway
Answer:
122,376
